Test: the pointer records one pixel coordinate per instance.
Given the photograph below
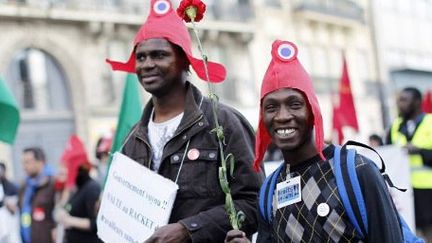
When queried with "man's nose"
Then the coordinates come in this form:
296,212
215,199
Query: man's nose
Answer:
148,63
283,114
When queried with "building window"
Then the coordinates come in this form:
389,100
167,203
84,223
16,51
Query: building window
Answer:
38,81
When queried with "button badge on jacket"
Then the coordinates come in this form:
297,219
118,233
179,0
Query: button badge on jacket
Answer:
38,214
193,154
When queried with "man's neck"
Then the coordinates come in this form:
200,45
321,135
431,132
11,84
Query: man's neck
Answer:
413,116
36,175
169,105
301,154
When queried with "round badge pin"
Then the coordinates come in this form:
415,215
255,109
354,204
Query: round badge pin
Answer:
193,154
38,214
161,7
25,219
286,51
323,209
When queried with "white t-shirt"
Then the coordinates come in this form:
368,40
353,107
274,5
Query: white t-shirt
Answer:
160,134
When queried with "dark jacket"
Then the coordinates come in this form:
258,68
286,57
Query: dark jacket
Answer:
199,204
43,203
9,189
83,205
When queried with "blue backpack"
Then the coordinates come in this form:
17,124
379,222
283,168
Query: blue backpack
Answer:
342,169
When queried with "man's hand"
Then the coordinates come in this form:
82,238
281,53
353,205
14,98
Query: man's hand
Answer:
62,217
11,204
236,236
171,233
412,149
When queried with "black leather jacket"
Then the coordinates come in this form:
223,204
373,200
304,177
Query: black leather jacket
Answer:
199,205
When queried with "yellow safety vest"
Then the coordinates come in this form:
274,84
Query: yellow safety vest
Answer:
421,175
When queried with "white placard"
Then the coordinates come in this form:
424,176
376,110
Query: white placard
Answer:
397,167
135,201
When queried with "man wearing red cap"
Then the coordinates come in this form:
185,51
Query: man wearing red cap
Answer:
174,136
290,117
78,214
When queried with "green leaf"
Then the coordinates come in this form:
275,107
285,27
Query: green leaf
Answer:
241,216
219,133
229,202
223,180
214,97
230,160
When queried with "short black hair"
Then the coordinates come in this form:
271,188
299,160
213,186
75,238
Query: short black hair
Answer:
417,95
377,138
38,153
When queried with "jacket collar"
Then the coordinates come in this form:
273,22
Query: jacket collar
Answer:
192,111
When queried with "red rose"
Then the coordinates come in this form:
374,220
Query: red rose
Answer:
190,10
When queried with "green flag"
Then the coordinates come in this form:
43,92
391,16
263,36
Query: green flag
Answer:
130,111
9,114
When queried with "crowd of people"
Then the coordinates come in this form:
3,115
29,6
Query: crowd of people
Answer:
175,139
51,206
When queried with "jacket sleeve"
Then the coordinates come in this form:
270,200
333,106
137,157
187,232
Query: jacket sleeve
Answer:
91,199
265,231
426,155
382,216
245,183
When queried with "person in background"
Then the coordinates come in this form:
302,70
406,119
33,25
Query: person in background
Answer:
8,208
37,198
412,130
290,117
8,190
103,148
375,141
77,209
78,216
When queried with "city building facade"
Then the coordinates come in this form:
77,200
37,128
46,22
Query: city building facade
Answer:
53,51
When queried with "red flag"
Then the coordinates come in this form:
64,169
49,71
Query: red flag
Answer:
73,156
344,114
337,127
427,102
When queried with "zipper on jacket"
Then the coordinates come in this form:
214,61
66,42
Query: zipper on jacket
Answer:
149,148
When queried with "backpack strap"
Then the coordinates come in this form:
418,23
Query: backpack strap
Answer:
266,194
356,187
337,163
355,143
383,167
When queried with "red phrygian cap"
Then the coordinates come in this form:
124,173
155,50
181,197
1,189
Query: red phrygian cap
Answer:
285,71
73,157
163,22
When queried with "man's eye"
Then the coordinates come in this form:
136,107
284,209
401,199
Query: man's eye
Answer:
159,55
296,105
270,108
140,57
